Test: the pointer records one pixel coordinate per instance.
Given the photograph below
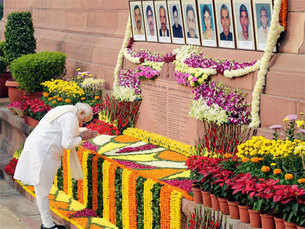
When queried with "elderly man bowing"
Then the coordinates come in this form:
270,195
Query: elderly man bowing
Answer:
41,155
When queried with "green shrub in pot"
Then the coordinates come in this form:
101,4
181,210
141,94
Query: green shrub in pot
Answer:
33,69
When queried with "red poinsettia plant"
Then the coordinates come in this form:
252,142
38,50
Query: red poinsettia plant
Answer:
103,128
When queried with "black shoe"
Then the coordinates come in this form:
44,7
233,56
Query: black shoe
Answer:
54,227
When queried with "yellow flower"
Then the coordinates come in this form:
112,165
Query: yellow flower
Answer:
300,123
83,98
277,171
45,94
54,101
265,168
97,97
285,119
273,164
78,69
68,100
288,176
301,180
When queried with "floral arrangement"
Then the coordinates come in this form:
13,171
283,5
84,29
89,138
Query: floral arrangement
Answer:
93,87
11,166
146,72
81,76
16,108
103,128
138,148
206,218
159,140
122,114
125,94
129,79
220,98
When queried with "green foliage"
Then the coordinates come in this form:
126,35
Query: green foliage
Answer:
2,45
3,64
156,211
74,188
100,205
140,202
89,169
118,197
33,69
60,180
19,35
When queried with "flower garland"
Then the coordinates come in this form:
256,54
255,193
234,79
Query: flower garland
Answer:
156,205
148,214
165,196
242,71
95,193
140,203
112,192
132,198
70,188
159,140
80,182
106,209
118,196
100,186
121,54
125,198
85,178
275,30
175,209
65,171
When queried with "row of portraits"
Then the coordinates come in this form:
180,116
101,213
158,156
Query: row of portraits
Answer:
242,24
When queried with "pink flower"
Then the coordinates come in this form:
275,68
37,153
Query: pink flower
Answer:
291,117
276,127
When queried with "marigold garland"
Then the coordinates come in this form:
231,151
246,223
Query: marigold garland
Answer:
100,186
80,182
125,198
283,13
106,210
175,209
85,179
165,196
94,183
156,205
148,212
70,187
118,196
132,200
140,204
65,172
112,214
89,179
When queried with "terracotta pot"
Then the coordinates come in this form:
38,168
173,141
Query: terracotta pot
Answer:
30,121
255,219
197,195
3,88
215,204
300,227
206,199
267,221
290,225
243,213
279,223
14,93
223,205
233,209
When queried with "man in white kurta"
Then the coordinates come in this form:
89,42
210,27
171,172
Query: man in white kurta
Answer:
41,155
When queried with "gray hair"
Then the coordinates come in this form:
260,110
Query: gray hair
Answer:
84,111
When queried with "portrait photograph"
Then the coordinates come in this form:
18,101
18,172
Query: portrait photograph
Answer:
176,22
244,24
137,20
150,21
225,24
207,23
191,25
262,15
163,29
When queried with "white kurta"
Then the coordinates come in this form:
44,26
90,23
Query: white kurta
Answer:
48,138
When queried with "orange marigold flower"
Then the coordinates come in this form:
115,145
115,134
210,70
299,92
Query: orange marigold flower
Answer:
265,168
54,101
56,96
277,171
301,180
59,99
245,159
51,98
68,100
228,155
255,159
288,176
83,98
45,94
97,97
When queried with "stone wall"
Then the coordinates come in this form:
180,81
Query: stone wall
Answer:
91,33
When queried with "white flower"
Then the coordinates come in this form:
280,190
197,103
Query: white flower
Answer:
94,84
125,94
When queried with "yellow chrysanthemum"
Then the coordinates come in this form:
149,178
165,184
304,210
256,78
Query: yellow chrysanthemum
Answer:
301,180
288,176
277,171
265,168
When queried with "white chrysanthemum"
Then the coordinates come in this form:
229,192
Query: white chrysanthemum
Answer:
125,94
93,84
214,113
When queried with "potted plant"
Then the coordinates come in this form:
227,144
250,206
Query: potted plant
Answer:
33,69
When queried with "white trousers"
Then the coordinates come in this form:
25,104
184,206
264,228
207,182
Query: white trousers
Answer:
42,190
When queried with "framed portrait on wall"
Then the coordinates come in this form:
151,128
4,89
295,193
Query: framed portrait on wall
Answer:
162,21
225,24
190,18
150,21
137,21
244,24
176,21
207,23
262,19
